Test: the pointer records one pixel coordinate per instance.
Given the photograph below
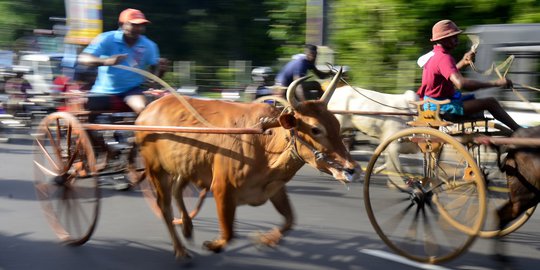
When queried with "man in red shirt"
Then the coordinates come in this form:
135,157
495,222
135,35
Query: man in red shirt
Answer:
441,77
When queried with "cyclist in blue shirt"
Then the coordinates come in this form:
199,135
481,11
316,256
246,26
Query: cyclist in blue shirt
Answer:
125,46
297,68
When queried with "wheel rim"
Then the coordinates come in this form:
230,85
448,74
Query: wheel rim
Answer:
497,193
65,178
416,206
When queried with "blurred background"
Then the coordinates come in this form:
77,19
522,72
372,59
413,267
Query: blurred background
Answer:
213,45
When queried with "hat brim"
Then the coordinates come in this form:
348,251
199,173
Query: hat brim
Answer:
447,35
138,21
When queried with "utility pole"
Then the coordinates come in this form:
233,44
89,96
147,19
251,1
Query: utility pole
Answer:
317,30
316,24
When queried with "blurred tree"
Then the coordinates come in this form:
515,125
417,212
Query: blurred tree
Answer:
379,39
525,11
16,19
374,38
288,25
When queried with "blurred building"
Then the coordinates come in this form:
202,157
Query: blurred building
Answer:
497,42
520,45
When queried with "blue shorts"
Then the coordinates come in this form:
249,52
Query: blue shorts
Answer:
454,107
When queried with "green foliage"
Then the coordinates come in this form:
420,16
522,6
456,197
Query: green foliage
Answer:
381,39
16,18
373,37
288,25
226,77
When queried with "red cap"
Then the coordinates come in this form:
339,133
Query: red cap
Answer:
131,15
444,29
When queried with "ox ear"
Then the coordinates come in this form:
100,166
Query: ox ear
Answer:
287,121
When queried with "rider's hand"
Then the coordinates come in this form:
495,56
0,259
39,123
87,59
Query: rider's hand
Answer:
504,83
114,60
468,57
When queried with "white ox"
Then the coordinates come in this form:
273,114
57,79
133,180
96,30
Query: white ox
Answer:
347,98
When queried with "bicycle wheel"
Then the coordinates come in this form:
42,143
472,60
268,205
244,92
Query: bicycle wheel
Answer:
430,206
497,192
65,178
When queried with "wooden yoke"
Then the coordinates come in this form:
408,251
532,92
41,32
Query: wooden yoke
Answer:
429,118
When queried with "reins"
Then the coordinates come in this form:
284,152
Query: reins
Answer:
368,98
506,63
181,98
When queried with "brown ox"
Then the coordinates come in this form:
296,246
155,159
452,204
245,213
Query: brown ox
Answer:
239,169
522,168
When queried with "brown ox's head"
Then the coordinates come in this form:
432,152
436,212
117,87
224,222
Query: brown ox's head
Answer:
315,133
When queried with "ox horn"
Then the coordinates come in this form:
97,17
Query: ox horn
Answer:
292,89
331,87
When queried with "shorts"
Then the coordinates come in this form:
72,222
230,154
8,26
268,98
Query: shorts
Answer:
111,102
454,107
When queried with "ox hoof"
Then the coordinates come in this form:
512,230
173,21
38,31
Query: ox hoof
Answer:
215,246
270,238
182,255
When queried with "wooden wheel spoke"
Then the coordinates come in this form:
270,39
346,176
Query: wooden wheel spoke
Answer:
45,170
73,155
430,240
47,155
449,208
58,131
66,184
68,142
54,144
80,214
42,190
393,222
413,227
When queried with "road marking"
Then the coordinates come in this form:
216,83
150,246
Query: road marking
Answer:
402,260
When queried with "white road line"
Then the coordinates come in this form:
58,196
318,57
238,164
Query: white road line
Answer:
402,260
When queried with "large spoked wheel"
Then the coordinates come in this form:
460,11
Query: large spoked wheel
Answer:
65,177
431,205
276,101
497,192
193,196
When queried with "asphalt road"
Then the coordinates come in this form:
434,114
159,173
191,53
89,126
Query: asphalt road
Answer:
332,231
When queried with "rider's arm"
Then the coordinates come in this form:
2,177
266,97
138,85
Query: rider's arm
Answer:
321,74
461,82
92,60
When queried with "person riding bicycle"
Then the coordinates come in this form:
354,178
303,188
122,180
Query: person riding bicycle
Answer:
125,46
441,77
297,68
